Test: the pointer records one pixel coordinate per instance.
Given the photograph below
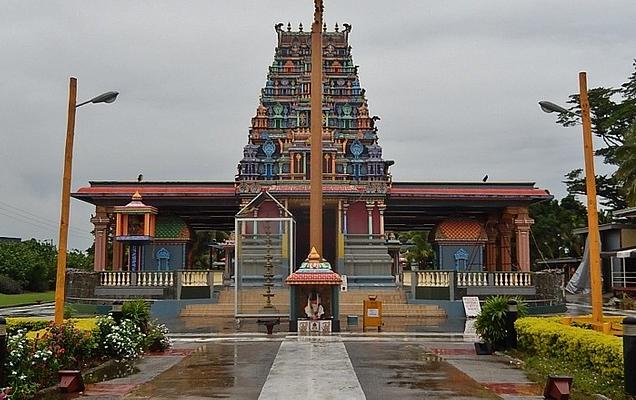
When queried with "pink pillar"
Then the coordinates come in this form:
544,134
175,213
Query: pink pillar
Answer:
100,221
382,207
522,224
505,232
370,207
118,254
491,246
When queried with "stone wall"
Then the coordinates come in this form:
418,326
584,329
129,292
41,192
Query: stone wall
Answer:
549,284
81,284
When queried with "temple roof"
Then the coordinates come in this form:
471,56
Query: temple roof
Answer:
460,231
314,271
410,205
136,206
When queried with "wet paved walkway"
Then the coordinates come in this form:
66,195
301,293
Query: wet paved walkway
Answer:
355,367
312,368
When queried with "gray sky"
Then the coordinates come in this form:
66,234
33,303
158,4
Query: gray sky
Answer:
456,84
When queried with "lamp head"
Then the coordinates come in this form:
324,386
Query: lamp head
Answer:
107,97
550,107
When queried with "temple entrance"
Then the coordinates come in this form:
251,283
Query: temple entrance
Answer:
301,215
329,234
329,228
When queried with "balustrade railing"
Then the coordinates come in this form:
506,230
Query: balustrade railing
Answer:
433,278
514,279
465,279
155,278
161,278
469,279
114,278
194,278
217,278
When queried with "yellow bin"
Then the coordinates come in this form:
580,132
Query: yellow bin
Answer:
372,317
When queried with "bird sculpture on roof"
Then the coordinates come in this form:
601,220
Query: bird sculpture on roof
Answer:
140,178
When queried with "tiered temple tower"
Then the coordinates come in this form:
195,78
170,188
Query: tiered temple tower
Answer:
278,142
355,176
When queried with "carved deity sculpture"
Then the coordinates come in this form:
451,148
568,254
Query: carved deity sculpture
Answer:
314,310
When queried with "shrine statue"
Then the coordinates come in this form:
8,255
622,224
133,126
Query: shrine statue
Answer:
314,309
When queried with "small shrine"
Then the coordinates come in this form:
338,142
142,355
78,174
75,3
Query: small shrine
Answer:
460,244
314,296
135,226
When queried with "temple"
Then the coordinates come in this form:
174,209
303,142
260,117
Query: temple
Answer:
474,226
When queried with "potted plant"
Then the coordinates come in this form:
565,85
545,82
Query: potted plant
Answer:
490,324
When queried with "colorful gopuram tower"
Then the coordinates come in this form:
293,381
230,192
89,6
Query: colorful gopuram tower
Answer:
355,175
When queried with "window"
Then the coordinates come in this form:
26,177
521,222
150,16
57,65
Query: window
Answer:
461,260
163,259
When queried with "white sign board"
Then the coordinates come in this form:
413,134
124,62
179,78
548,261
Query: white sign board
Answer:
471,306
373,312
344,285
469,328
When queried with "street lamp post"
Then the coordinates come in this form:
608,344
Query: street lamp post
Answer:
590,186
107,97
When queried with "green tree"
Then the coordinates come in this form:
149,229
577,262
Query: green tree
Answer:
31,263
626,173
78,259
419,249
613,111
554,222
200,250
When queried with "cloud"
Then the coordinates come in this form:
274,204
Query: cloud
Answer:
456,84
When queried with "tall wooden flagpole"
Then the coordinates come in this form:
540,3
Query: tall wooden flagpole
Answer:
592,210
315,197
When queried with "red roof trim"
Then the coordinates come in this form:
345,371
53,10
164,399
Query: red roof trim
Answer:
155,190
469,192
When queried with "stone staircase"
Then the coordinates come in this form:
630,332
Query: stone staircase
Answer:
251,302
394,304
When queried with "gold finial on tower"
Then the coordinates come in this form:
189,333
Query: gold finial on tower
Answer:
313,256
136,196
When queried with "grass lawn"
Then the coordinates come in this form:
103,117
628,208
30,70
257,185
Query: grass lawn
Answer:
26,298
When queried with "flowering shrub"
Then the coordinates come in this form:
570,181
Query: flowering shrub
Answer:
72,348
123,341
36,357
30,364
583,348
137,311
157,338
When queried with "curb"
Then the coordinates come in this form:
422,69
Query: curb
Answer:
28,304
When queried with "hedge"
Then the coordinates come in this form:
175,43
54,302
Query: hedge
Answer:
30,324
583,348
